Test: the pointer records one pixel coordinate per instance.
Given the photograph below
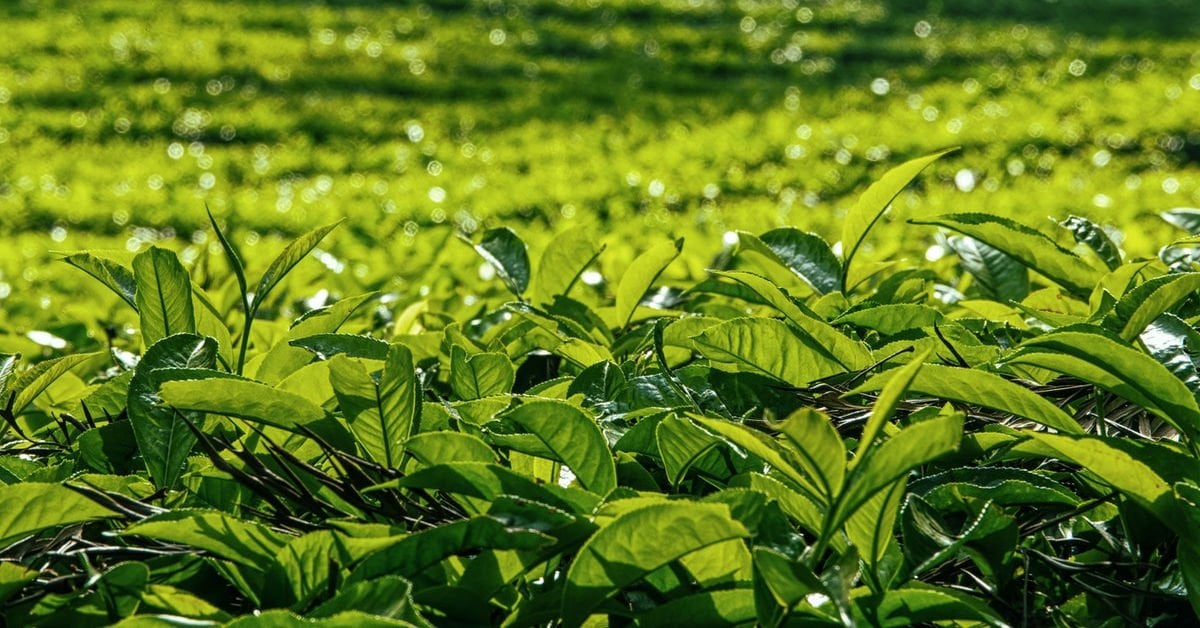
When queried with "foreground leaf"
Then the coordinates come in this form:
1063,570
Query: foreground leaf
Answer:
164,295
30,507
768,347
574,438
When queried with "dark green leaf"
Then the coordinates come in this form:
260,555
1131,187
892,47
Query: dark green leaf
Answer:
1090,234
1002,277
806,255
506,252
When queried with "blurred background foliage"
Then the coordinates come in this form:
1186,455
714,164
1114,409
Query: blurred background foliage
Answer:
120,121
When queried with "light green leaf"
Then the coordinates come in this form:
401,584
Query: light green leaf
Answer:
892,318
389,596
325,346
681,445
162,436
768,347
871,205
479,480
412,554
8,365
432,448
818,448
642,274
506,252
1028,245
566,257
764,447
850,353
806,255
164,295
246,543
480,375
382,415
113,275
870,528
30,507
31,383
923,605
287,260
616,556
886,403
1140,306
283,358
13,578
789,581
166,599
574,438
984,389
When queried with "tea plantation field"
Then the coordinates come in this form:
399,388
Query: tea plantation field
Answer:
573,313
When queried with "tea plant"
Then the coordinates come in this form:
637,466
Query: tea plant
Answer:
794,436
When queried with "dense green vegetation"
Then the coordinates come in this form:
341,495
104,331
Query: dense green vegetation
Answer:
801,438
562,311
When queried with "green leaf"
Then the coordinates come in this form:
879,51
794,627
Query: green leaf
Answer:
13,578
789,581
566,257
871,205
164,598
1188,555
851,354
109,448
1006,486
31,383
681,445
1172,342
162,436
728,607
1001,275
870,528
984,389
113,275
883,465
476,479
892,318
283,359
926,605
246,543
325,346
616,556
284,619
254,401
1028,245
1140,306
121,587
389,596
1091,355
642,274
1185,218
1120,469
480,375
764,447
432,448
8,365
506,252
30,507
574,438
806,255
886,403
232,258
164,295
768,347
818,447
382,415
287,260
1091,235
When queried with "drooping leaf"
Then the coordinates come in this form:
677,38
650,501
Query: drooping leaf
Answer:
1141,305
114,276
389,596
1026,244
1091,235
162,435
432,448
923,605
30,507
1186,218
29,384
480,480
1002,276
615,557
681,445
640,275
770,451
984,389
255,401
727,607
566,256
506,252
247,543
163,296
850,353
287,259
166,599
874,201
325,346
806,255
574,438
768,347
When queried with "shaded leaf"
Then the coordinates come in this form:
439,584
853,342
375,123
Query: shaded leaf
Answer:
806,255
1001,276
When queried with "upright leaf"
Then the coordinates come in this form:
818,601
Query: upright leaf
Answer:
1091,235
113,275
162,436
889,399
382,415
1002,277
871,205
506,252
480,375
1141,305
287,260
818,447
573,437
616,556
640,275
566,257
164,295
